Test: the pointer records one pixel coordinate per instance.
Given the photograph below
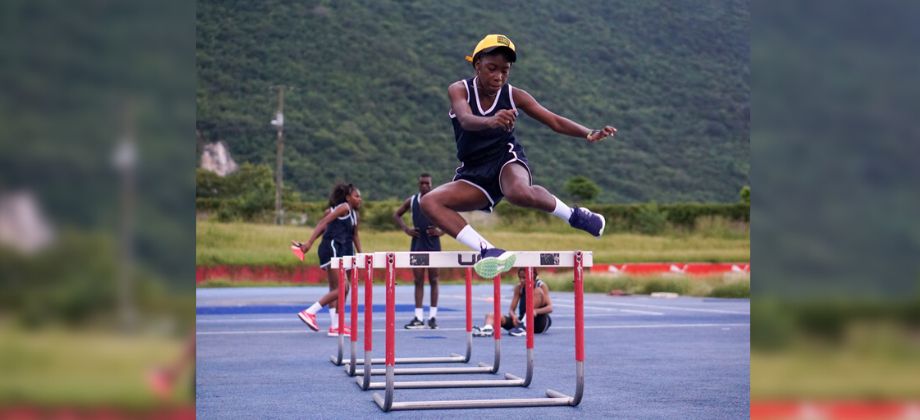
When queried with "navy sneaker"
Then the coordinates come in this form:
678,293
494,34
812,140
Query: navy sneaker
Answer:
517,331
432,324
587,221
415,324
494,261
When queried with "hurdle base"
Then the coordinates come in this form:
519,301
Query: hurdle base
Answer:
509,381
430,371
337,361
453,358
561,400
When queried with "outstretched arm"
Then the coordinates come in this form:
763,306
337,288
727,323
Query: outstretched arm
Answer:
558,123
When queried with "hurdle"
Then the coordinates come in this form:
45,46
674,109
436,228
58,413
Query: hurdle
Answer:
340,305
510,379
576,259
364,261
376,260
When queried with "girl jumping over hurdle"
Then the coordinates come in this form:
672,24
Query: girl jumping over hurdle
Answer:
483,110
339,230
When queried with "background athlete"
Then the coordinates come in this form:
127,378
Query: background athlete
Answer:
339,229
425,237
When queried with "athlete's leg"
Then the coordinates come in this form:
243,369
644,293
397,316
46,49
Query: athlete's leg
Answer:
332,277
418,275
515,183
433,277
442,204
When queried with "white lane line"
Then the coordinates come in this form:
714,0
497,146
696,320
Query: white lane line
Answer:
381,318
676,308
587,327
600,308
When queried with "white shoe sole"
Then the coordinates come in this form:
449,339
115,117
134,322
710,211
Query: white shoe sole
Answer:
490,267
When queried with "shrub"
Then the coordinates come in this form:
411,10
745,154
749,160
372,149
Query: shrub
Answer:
582,189
650,220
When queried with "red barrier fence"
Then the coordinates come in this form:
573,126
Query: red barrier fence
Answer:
314,275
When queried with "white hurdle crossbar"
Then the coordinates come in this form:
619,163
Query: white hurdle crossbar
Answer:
391,261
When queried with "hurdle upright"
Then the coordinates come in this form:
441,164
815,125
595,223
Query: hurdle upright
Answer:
575,259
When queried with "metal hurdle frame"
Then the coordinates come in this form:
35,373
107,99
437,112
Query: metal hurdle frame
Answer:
510,379
419,260
365,261
576,259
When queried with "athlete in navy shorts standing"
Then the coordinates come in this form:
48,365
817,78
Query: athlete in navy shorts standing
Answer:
339,229
493,165
426,237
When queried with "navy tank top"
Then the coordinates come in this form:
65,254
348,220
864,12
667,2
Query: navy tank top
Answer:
484,145
342,229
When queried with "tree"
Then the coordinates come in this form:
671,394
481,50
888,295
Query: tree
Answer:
745,195
582,188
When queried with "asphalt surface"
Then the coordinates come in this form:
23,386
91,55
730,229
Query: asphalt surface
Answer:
644,358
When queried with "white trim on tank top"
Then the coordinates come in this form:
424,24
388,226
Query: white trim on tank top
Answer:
478,105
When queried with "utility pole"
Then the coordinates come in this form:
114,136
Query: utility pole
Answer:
278,122
124,158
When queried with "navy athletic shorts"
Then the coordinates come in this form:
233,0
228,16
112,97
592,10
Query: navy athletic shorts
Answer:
485,175
330,249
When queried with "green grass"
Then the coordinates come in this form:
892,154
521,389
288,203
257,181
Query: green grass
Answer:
258,244
55,367
843,372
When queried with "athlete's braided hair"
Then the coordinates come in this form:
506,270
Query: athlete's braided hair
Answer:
339,192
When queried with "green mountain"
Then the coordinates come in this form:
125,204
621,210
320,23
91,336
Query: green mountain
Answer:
368,98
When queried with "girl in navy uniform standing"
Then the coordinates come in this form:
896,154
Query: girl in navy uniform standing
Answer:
483,110
426,237
339,230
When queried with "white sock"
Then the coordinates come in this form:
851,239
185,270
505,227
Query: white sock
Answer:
469,237
314,308
335,319
419,314
562,211
433,312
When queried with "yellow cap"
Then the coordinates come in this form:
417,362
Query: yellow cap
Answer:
491,42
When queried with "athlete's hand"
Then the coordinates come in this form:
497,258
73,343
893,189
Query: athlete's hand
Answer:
598,135
514,317
413,232
434,231
504,118
303,247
